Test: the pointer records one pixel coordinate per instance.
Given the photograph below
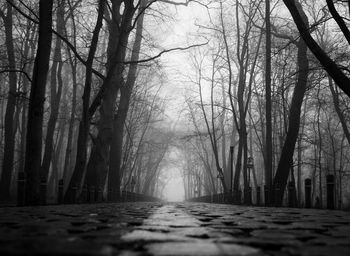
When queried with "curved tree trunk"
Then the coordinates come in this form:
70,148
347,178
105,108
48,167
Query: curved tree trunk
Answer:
286,159
56,85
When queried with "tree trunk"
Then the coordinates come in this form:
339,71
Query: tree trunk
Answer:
56,85
115,171
268,106
36,105
99,158
68,155
286,159
335,95
84,126
10,131
328,64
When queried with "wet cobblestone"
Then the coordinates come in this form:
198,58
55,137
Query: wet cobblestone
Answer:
172,229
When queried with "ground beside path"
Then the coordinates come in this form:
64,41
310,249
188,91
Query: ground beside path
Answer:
172,229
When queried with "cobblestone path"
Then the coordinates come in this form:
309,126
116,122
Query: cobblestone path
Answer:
172,229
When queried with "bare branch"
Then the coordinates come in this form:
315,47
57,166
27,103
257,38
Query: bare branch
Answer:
65,40
165,51
17,71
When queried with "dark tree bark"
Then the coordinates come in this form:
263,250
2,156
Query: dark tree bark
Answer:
115,172
338,110
69,152
286,159
10,131
77,176
56,85
68,163
28,47
99,159
36,105
339,20
328,64
268,104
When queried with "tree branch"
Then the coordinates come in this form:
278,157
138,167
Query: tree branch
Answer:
65,40
338,19
17,71
329,65
165,51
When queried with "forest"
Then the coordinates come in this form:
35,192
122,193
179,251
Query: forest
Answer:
263,102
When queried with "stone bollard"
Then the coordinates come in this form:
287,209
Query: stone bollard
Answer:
330,191
245,196
258,195
60,192
239,196
43,191
249,196
74,194
84,194
275,194
291,194
20,188
91,194
266,196
307,193
99,195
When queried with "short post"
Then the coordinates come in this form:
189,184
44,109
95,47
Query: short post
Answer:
84,193
291,194
74,194
239,196
249,196
60,192
307,193
91,194
99,194
109,194
245,196
258,195
43,191
20,188
330,191
276,194
266,195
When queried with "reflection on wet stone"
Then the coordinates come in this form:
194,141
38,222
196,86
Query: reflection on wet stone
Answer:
172,229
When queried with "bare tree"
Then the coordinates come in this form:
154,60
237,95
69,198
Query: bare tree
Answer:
37,98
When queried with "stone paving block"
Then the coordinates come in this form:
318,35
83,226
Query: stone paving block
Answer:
172,229
201,248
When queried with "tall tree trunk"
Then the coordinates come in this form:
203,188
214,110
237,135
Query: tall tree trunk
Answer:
99,158
68,163
27,48
36,105
335,95
286,159
10,131
84,126
268,106
56,85
68,155
115,172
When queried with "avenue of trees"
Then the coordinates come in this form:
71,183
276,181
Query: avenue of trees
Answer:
280,108
80,98
267,99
